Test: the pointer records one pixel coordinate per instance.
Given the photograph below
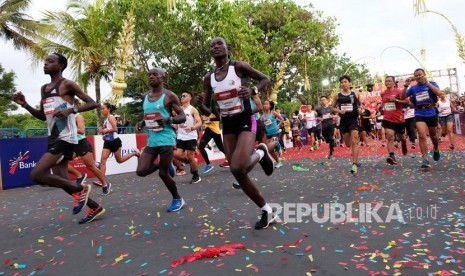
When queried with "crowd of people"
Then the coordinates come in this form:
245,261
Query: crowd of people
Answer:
251,131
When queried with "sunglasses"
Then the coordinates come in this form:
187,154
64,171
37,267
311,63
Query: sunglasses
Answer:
183,96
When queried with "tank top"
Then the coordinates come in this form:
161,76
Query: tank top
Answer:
252,107
311,119
348,103
270,124
158,135
213,125
189,123
226,93
58,129
80,136
444,108
109,136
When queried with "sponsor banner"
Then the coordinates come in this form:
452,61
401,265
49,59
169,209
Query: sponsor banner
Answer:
78,163
113,167
19,156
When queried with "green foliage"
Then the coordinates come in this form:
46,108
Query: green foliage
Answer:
22,121
7,89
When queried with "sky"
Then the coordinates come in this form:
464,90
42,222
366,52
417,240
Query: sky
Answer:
370,33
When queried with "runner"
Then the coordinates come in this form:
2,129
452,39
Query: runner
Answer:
446,118
159,104
239,127
310,125
424,96
84,150
365,124
380,134
57,108
346,104
269,118
112,143
212,131
409,116
186,142
325,116
296,135
393,122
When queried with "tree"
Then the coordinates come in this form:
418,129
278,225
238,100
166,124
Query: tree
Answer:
19,28
86,35
7,89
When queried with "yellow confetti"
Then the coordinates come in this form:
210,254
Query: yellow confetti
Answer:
310,257
387,267
158,214
41,241
251,251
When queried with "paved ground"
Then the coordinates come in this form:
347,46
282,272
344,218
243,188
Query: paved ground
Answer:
136,236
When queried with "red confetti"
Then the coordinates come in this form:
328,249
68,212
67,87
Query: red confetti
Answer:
7,262
209,252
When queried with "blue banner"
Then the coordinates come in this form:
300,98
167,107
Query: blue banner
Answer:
18,157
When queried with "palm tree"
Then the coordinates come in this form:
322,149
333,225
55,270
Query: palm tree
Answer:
83,35
19,28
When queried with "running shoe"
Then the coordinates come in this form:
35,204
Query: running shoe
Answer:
80,199
311,149
172,170
278,165
266,162
329,157
316,146
425,164
404,149
208,168
92,214
236,185
413,146
225,164
106,189
180,172
436,155
176,205
195,179
452,147
391,160
80,180
265,220
354,168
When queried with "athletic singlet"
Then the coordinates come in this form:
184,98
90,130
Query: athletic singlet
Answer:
252,107
158,135
270,124
226,92
58,129
213,125
109,136
80,136
409,113
444,108
348,103
310,119
189,123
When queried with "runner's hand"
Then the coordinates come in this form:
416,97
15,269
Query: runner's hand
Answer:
199,100
19,98
244,93
61,114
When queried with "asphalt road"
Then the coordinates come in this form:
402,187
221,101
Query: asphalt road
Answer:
136,236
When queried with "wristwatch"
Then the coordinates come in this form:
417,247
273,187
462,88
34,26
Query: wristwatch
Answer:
75,110
254,90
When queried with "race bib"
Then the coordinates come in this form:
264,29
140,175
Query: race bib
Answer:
49,105
267,122
422,96
229,102
348,107
150,121
390,106
327,116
